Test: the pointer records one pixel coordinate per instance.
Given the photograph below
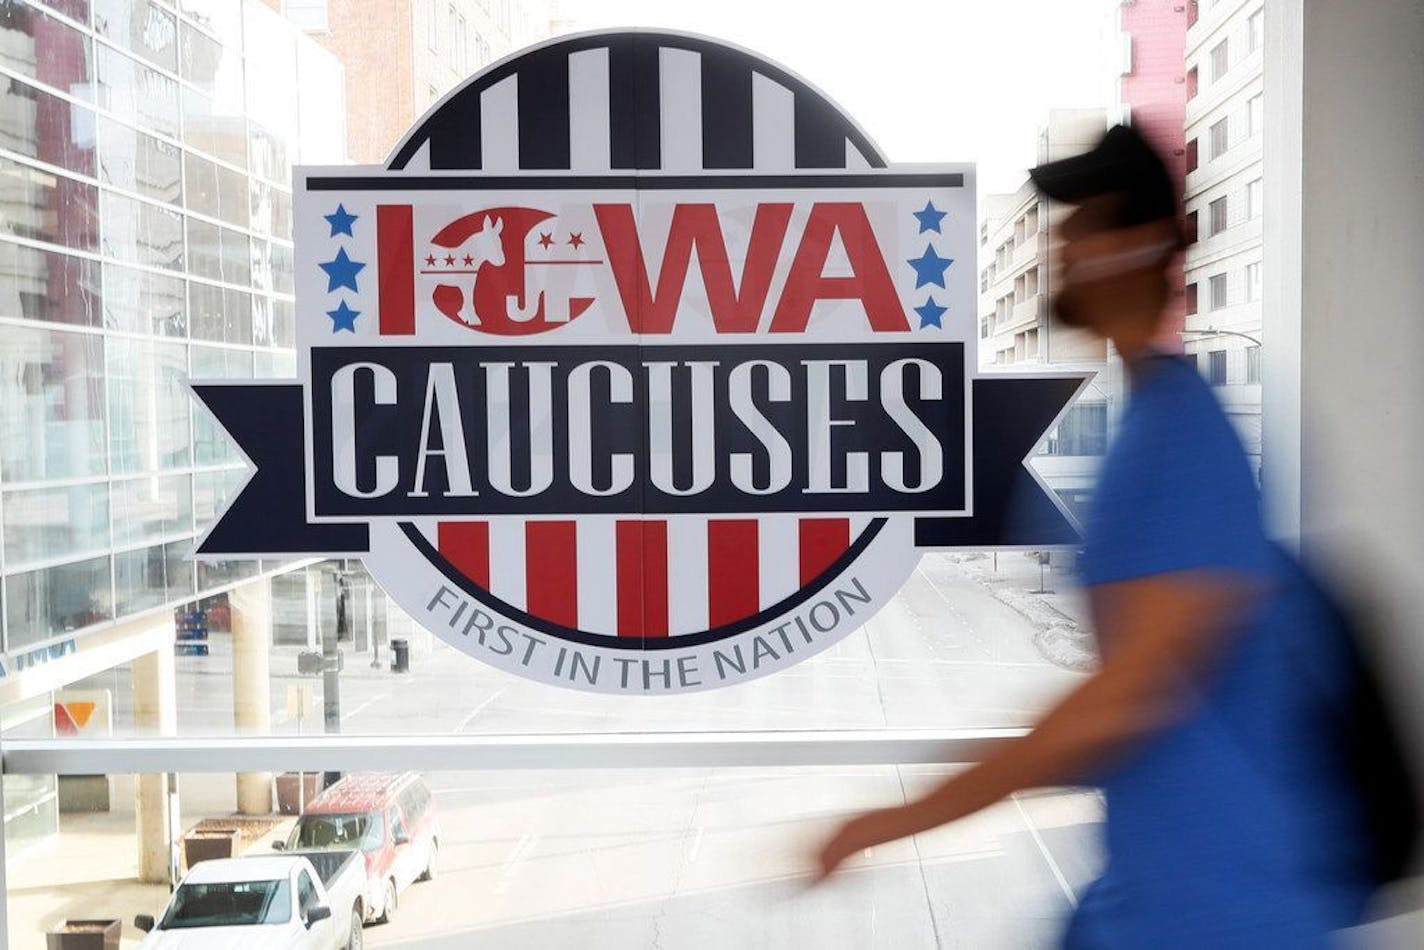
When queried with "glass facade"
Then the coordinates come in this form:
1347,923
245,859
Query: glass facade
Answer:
145,165
145,239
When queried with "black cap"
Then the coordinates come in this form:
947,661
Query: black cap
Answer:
1123,163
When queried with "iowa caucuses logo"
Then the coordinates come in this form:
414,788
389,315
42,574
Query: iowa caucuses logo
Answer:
631,398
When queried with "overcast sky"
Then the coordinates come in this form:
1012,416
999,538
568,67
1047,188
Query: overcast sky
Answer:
957,80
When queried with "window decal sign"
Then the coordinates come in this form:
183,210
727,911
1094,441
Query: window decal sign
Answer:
637,370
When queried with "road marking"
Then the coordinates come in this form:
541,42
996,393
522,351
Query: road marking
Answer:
696,846
478,709
1043,850
370,702
515,859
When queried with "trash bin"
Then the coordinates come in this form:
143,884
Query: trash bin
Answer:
85,935
400,655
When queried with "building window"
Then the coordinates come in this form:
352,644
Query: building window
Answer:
306,14
1253,115
1192,155
1254,197
1255,31
1219,61
1083,431
1192,83
1191,12
1191,227
1253,364
1192,297
1217,212
1216,367
1253,281
984,329
1217,132
1217,286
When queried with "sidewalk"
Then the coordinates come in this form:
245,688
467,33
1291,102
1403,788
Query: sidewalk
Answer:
1047,596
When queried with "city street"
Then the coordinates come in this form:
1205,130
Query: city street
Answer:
678,857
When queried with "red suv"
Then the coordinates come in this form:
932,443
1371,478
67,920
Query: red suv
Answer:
390,817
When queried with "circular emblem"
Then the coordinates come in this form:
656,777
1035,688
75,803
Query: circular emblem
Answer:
635,370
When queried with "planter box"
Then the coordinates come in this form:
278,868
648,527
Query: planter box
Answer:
288,798
85,935
205,845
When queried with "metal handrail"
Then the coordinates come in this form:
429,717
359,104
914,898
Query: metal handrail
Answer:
436,753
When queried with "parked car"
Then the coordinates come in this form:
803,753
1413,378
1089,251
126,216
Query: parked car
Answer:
388,817
293,901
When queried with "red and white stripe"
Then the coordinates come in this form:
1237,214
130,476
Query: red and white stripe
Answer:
634,577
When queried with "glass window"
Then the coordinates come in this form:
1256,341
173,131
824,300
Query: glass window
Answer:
239,904
141,27
211,444
218,254
1254,198
1192,297
271,209
216,190
1253,364
268,153
1216,367
51,601
1192,83
1192,155
275,365
1217,284
1253,115
219,314
138,301
33,43
1253,281
1255,30
1219,141
1219,61
48,285
222,18
148,405
137,92
307,14
139,162
141,232
152,508
211,491
43,206
1217,216
321,107
1083,431
213,574
51,404
50,524
43,126
216,129
142,579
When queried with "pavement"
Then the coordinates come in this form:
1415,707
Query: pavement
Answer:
675,858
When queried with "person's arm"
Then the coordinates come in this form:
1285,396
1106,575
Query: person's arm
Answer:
1163,633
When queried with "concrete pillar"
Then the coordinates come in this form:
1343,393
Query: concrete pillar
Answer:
251,606
155,714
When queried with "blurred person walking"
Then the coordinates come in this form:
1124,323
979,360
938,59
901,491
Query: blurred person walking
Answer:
1232,816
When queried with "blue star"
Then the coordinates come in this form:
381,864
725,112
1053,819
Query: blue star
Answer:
342,271
340,221
929,268
930,314
929,218
343,318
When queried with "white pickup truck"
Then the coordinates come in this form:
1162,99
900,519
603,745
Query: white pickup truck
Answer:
302,900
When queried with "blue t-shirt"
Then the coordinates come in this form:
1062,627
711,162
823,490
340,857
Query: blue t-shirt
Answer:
1235,827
